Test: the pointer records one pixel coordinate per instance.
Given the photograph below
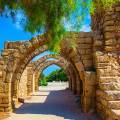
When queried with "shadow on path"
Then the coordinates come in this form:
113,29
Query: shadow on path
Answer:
57,102
53,102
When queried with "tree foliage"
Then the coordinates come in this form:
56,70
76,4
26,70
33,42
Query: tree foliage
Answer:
42,80
49,15
58,75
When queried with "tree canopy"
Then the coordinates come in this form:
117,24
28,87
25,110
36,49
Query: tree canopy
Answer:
49,15
57,75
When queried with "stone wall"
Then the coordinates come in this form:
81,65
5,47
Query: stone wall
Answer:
108,91
84,73
106,23
3,96
23,85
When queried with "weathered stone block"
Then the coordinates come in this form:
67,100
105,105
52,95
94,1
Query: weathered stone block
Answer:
110,48
110,42
88,51
110,86
5,100
79,66
2,109
108,21
88,63
109,35
82,51
98,43
87,57
114,105
85,46
109,79
109,28
115,114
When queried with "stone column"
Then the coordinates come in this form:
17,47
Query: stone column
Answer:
70,82
36,77
10,60
23,85
33,82
69,78
29,81
89,91
78,85
73,80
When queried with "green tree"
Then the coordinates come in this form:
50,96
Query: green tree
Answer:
58,75
49,15
42,80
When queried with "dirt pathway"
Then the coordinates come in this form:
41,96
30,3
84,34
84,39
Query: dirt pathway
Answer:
50,103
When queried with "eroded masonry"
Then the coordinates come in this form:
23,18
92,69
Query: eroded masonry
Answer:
93,70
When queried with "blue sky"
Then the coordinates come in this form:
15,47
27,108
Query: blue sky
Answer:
11,31
50,68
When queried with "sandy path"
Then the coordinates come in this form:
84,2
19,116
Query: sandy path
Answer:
50,103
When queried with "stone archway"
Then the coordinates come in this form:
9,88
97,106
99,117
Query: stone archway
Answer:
96,61
32,71
31,67
21,61
45,64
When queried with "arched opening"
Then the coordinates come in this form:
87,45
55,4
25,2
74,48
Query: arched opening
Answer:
52,74
93,69
28,57
67,59
33,65
37,67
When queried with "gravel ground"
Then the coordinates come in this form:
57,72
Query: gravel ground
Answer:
53,102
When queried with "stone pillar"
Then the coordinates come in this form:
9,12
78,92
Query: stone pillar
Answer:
70,82
22,94
78,85
73,80
33,82
29,81
69,78
89,91
36,77
10,58
15,92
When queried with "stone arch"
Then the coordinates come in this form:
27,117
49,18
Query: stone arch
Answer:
17,74
23,52
42,63
31,67
42,59
97,60
82,61
17,56
45,64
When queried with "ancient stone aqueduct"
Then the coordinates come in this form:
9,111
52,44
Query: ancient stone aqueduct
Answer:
93,70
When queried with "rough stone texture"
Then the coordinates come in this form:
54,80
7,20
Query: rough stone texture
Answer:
106,23
93,69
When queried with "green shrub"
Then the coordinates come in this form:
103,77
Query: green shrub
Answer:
43,82
58,75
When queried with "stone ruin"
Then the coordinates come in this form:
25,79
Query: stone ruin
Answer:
93,69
